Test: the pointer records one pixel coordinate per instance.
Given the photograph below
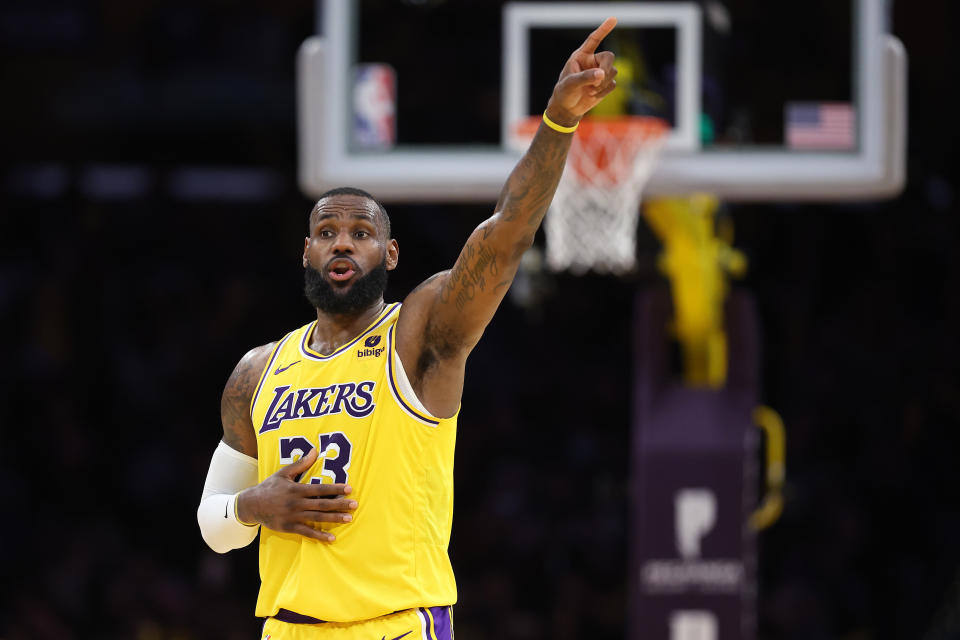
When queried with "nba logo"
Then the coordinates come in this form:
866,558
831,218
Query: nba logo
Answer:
374,106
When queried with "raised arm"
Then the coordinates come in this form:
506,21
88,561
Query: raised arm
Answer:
443,319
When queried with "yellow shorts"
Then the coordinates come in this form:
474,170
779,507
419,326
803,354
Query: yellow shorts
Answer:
425,623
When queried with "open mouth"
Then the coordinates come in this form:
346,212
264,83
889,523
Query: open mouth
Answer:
341,270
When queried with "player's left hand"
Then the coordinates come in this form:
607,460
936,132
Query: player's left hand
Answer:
585,80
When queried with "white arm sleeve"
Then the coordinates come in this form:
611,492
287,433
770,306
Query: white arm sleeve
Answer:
230,472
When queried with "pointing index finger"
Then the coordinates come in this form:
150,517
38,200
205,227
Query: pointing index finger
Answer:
594,39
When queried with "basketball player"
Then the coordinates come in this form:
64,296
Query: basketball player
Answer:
359,407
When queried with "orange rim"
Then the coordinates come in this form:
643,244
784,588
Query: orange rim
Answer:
621,126
604,149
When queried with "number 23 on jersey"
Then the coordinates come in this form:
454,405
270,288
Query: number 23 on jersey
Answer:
335,451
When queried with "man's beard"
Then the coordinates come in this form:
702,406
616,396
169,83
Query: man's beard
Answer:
364,291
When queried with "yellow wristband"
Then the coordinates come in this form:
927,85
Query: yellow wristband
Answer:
556,127
236,499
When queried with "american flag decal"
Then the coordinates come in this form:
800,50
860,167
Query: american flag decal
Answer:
821,126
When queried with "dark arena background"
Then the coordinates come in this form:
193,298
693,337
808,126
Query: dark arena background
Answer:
151,233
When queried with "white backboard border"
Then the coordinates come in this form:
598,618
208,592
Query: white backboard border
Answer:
875,170
519,18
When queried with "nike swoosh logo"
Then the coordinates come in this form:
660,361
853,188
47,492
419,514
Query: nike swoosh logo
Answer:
398,637
282,369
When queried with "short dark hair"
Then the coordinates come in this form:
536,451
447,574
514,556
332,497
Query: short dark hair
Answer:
354,191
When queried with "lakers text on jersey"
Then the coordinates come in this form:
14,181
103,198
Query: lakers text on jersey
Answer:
358,408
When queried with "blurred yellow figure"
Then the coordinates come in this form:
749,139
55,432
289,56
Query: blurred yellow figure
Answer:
632,92
617,102
697,261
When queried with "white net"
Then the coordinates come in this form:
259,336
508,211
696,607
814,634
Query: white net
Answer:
592,222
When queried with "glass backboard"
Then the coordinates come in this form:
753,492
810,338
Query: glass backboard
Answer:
766,101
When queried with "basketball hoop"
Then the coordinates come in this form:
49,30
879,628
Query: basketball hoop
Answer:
592,222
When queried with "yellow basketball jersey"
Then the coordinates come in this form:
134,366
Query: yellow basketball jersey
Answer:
358,408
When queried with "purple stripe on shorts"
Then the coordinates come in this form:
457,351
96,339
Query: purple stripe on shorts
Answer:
285,615
442,625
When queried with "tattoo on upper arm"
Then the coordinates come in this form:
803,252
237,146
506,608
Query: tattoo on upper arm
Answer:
238,431
469,274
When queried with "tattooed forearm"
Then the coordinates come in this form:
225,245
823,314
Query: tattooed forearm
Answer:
499,243
533,182
471,292
461,304
515,190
